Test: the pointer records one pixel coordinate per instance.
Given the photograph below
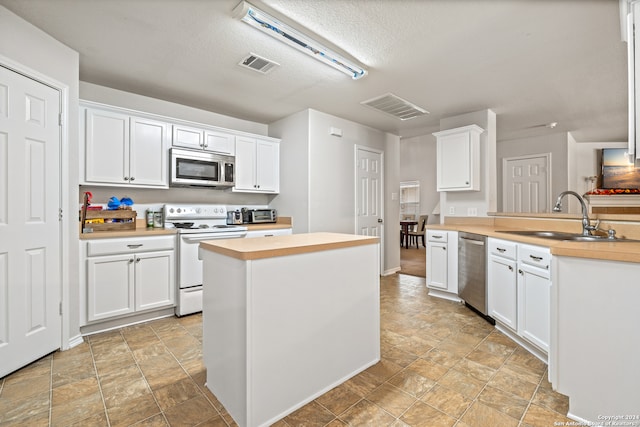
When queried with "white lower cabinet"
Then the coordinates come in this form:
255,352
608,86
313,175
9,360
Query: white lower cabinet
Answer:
519,291
534,289
502,283
442,263
126,276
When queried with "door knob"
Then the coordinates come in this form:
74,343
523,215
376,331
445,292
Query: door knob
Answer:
380,220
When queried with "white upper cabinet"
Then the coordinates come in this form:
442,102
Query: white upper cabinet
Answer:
458,159
257,165
188,137
203,139
125,150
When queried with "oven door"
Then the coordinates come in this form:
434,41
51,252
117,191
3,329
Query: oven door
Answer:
190,269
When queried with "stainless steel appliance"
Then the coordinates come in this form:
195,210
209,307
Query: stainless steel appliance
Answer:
195,223
472,272
201,169
234,217
257,216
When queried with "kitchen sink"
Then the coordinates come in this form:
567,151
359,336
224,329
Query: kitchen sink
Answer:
560,235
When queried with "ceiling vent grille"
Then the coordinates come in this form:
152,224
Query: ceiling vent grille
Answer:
257,63
395,106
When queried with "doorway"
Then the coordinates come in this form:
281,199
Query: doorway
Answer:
526,183
369,195
30,242
413,256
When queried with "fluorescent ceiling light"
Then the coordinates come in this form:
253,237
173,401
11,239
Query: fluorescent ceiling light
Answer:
276,29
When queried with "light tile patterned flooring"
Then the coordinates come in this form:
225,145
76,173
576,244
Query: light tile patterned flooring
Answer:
441,366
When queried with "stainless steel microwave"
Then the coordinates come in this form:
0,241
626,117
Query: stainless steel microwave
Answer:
195,168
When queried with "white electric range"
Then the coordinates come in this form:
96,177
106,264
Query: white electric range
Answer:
195,223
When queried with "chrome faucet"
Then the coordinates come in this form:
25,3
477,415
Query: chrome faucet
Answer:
587,228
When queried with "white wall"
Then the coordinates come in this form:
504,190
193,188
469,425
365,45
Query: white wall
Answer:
418,163
26,46
556,144
293,199
324,164
485,200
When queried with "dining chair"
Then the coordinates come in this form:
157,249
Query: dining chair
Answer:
419,231
405,217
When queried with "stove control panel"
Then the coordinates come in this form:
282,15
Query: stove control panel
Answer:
195,211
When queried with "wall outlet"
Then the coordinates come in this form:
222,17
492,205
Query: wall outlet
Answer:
452,210
472,211
394,196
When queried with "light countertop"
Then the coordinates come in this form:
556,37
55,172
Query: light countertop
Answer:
276,246
612,251
142,230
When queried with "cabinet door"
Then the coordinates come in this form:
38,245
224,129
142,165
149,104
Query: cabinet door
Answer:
106,147
502,289
110,286
268,166
155,280
220,142
437,265
148,153
534,288
245,164
188,137
454,167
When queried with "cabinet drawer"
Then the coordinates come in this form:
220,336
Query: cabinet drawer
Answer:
535,256
119,246
437,236
503,248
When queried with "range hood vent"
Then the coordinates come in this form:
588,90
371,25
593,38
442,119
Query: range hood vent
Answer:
395,106
258,63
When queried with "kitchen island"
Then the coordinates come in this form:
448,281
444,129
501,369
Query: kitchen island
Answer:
287,318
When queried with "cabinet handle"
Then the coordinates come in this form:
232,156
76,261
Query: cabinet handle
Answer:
444,249
520,271
137,259
437,236
501,249
132,178
126,178
139,245
131,261
510,268
535,258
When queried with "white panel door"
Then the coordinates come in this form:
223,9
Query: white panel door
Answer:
525,184
369,220
30,271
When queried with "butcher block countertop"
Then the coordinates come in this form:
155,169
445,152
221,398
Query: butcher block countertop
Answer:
277,246
494,227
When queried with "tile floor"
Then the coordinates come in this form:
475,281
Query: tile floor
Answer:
441,366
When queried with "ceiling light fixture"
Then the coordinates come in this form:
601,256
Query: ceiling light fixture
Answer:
276,29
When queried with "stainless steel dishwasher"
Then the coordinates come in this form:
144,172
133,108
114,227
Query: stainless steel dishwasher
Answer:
472,272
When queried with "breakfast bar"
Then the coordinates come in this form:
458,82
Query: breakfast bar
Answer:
287,318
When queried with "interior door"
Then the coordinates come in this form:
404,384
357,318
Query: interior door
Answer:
525,184
30,270
369,221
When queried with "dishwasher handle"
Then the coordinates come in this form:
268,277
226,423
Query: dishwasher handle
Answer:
473,241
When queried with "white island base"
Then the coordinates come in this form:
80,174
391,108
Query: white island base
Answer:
287,318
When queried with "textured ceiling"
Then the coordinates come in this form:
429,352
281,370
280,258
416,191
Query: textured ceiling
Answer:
531,61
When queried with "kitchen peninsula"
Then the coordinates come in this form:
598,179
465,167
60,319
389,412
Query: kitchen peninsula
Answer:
592,304
287,318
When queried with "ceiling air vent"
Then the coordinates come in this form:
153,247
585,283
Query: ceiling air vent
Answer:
258,63
395,106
